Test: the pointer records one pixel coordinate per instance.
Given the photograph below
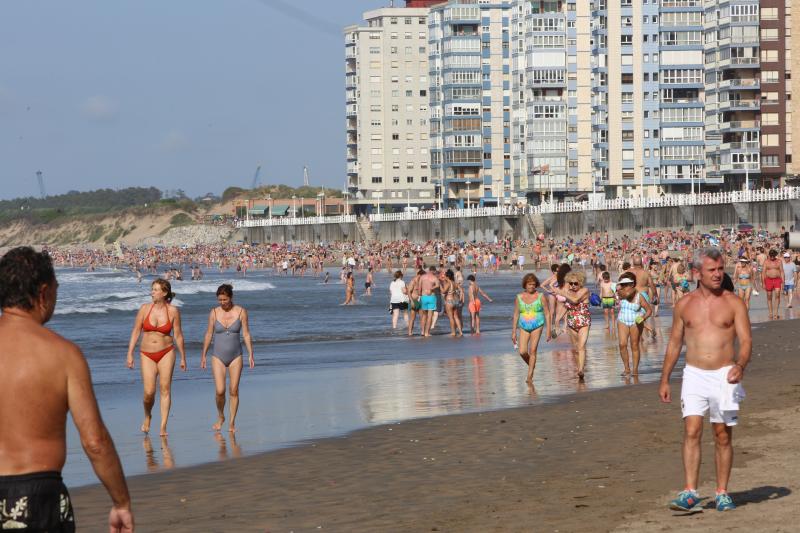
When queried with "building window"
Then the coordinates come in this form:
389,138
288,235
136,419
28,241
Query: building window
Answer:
770,139
395,136
395,179
409,179
769,161
377,179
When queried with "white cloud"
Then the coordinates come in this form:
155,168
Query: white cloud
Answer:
174,141
100,108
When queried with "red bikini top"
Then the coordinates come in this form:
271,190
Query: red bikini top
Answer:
148,326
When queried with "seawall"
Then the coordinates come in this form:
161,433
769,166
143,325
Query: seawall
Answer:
769,215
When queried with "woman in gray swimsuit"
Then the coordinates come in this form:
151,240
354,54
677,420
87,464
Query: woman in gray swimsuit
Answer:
226,324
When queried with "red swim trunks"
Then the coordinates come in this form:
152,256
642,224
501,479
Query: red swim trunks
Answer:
772,284
475,306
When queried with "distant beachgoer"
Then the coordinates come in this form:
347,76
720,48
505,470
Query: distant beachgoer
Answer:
579,319
633,311
227,352
427,284
368,283
789,273
454,301
531,314
45,377
608,300
474,292
349,289
154,322
398,298
414,304
772,279
710,320
743,276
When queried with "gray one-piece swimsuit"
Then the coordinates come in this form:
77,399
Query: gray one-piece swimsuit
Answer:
227,342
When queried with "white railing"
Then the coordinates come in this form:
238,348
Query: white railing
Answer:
671,200
294,221
668,200
449,213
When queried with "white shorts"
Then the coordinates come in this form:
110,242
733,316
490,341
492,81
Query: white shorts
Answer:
701,393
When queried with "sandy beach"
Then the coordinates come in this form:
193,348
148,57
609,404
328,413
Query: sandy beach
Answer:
600,461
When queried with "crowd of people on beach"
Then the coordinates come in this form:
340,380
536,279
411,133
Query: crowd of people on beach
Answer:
632,278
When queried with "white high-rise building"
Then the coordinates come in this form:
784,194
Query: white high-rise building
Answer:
388,157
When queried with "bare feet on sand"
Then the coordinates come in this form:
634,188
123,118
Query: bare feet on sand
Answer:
218,425
146,425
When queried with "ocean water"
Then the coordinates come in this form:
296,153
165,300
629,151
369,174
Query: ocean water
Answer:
322,369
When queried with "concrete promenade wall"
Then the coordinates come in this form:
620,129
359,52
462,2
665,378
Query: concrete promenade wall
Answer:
770,215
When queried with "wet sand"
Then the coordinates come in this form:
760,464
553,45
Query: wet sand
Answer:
600,461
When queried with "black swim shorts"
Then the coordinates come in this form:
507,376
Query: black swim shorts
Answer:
35,502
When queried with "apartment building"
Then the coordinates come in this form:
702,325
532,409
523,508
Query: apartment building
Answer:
387,115
470,102
529,100
551,81
732,84
775,44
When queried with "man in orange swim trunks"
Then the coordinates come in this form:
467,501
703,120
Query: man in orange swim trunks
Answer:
474,306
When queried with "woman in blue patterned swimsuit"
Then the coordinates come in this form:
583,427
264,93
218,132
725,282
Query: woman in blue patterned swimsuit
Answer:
531,312
633,311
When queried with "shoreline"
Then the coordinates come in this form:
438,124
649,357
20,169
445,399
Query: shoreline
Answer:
589,462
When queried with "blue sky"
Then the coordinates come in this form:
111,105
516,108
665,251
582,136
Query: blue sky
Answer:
190,94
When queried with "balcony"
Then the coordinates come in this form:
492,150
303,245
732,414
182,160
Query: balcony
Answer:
350,52
740,105
740,125
741,84
350,81
352,167
752,168
747,62
747,146
352,110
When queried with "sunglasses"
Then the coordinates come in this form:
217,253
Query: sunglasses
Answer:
573,283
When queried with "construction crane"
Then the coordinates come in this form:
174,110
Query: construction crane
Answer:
41,183
256,178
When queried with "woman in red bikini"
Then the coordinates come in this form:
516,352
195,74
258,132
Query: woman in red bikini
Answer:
155,322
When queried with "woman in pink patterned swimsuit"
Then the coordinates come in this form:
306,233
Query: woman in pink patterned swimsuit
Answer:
579,319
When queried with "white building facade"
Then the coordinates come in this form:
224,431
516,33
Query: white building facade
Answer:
387,111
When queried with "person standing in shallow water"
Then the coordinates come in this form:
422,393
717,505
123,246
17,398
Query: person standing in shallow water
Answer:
45,377
709,320
579,319
154,322
227,325
531,314
633,311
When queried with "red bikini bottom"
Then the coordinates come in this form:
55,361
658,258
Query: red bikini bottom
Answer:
157,356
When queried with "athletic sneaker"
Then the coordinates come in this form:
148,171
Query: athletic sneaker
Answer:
724,502
687,500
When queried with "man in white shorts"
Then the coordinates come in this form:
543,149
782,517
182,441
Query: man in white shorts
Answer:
708,320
